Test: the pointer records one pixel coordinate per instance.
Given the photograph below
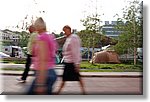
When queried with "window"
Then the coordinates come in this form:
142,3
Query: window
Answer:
6,49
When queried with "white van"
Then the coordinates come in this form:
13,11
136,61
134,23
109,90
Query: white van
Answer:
13,51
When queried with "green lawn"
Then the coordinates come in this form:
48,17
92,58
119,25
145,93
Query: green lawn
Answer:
86,66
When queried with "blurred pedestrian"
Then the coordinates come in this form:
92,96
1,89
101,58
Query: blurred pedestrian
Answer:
72,59
44,60
31,41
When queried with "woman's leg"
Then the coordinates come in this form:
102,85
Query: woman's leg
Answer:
31,89
61,87
82,86
27,67
51,80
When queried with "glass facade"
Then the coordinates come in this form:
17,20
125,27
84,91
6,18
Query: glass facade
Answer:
109,29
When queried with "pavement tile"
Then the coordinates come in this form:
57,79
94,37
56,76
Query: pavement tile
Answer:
101,86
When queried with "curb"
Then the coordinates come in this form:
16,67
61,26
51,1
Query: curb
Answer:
83,75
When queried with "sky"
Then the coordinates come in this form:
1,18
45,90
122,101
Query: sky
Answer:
58,12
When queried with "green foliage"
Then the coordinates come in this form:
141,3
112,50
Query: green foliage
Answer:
6,43
92,26
14,60
86,66
13,69
89,39
131,27
91,23
24,37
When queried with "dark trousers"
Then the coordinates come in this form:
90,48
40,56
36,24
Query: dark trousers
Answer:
27,67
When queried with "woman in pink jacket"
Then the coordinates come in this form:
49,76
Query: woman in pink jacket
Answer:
44,60
72,59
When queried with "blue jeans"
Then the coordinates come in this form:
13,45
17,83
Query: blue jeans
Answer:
49,84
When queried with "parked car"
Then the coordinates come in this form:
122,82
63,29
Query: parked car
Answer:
140,53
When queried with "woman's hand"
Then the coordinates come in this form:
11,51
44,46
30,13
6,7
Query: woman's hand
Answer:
77,67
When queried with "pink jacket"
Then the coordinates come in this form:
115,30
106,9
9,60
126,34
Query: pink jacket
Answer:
49,39
71,49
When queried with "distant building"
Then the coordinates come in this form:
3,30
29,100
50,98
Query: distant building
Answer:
109,29
9,36
106,22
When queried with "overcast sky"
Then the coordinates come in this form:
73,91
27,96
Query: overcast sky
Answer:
58,12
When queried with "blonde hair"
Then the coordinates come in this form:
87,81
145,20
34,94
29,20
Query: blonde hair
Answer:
39,24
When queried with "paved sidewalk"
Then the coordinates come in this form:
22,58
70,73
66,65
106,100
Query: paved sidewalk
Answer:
93,86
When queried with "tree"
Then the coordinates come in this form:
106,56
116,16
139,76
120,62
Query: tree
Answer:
91,36
131,27
24,37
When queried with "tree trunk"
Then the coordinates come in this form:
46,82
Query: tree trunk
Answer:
135,49
92,53
135,54
92,48
126,57
88,53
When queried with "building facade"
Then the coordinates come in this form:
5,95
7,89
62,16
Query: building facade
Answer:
9,37
109,29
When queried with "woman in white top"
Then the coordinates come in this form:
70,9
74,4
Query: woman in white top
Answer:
72,59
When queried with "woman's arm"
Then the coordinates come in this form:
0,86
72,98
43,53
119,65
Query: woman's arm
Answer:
75,49
42,65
